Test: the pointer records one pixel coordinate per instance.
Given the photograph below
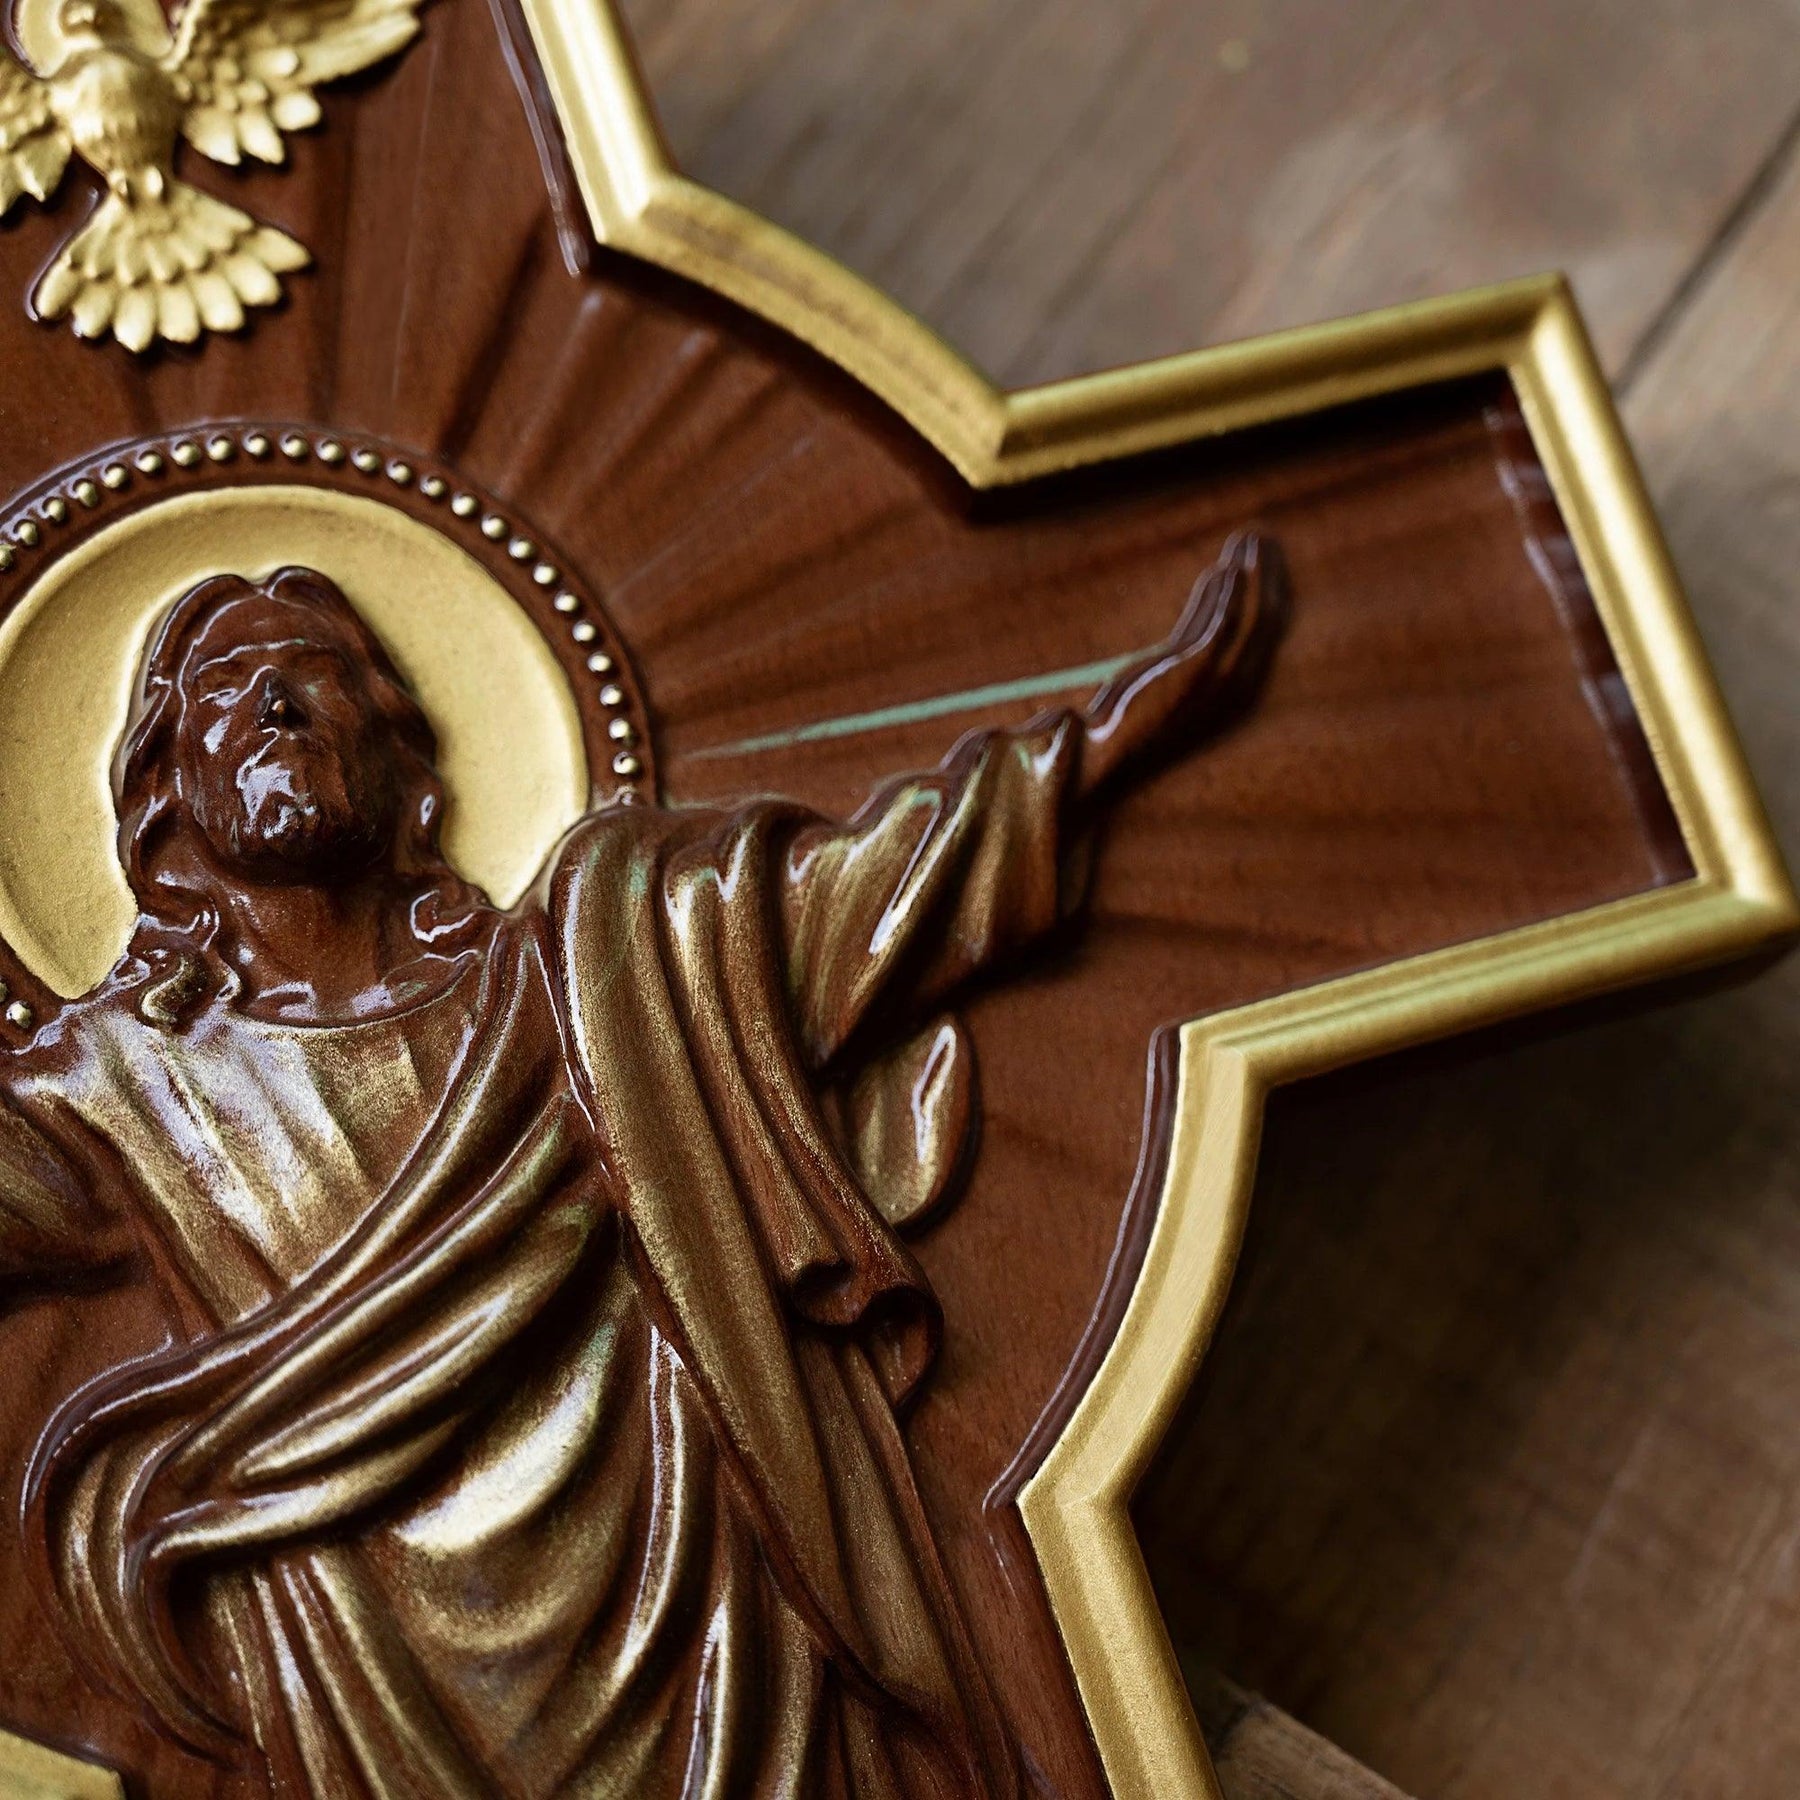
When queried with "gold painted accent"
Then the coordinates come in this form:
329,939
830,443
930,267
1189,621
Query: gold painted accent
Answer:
400,473
1075,1507
56,510
31,1771
434,487
257,443
294,447
366,460
111,82
509,734
221,448
149,462
114,476
44,39
8,556
186,453
27,532
638,202
330,451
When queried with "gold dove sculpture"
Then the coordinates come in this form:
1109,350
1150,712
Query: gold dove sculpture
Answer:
112,81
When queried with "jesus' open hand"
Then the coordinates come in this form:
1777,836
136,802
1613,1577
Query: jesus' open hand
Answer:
1213,659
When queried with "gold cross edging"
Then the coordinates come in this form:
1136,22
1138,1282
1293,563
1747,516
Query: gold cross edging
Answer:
1740,897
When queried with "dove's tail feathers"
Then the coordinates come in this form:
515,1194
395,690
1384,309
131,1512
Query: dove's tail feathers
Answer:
168,266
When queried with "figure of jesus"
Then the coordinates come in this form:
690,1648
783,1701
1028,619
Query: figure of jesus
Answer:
539,1323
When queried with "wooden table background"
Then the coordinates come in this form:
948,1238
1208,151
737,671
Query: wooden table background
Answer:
1497,1462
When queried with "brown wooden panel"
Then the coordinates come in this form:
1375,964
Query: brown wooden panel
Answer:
1440,755
1361,802
1062,185
1259,1753
1492,1477
1619,1201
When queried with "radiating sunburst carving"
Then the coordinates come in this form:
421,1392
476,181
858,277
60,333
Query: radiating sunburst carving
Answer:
114,84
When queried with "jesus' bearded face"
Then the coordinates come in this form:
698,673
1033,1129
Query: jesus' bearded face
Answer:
283,752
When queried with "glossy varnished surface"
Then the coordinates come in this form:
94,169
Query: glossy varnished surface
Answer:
1439,755
1563,1274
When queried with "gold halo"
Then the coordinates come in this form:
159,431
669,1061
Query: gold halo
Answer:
45,45
509,737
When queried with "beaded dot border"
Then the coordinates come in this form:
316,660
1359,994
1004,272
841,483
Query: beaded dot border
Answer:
490,529
25,532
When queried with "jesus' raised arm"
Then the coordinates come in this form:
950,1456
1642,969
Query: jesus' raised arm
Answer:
945,874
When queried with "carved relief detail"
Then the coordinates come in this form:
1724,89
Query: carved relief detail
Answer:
60,513
545,1322
114,84
572,619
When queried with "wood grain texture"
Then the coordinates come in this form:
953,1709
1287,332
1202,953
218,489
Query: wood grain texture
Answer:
1061,185
1492,1477
1496,1458
1431,762
1259,1753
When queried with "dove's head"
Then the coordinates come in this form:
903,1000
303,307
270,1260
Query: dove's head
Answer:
50,31
91,21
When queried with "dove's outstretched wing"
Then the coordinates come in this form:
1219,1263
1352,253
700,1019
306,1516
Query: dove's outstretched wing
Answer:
245,70
34,148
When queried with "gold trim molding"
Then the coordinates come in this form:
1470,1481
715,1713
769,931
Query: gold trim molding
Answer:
1076,1507
638,202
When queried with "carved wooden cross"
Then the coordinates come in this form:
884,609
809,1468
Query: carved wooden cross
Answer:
778,539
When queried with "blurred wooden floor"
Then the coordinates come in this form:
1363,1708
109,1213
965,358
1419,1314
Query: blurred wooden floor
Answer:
1498,1459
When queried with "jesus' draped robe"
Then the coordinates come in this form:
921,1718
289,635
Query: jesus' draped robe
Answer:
529,1422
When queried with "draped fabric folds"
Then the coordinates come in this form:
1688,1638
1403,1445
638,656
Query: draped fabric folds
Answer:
554,1451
